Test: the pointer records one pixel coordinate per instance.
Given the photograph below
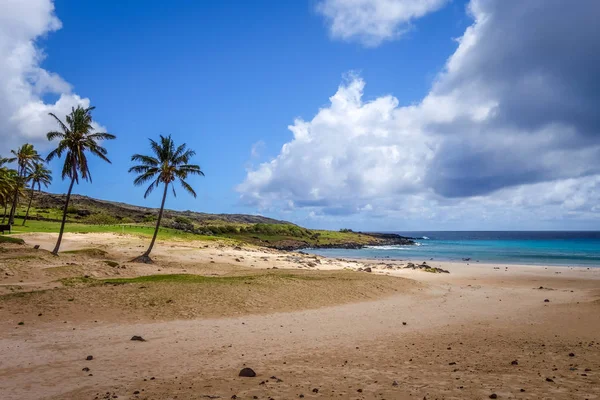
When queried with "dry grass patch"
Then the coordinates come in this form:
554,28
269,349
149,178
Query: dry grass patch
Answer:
183,296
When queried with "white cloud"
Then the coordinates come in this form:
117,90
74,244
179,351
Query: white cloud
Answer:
373,21
23,82
509,131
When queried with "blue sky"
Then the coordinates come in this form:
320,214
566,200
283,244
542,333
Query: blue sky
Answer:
229,77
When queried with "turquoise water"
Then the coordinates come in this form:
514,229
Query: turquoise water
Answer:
538,248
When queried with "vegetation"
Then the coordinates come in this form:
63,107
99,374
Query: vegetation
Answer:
39,175
25,156
8,239
75,139
167,165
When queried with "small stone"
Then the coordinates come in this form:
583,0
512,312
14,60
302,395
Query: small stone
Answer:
522,390
247,373
21,323
89,358
549,380
315,390
86,369
546,301
136,392
515,362
395,383
571,354
404,323
493,396
138,338
368,269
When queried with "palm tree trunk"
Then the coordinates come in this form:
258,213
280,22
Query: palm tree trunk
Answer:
5,210
13,208
146,256
64,218
29,206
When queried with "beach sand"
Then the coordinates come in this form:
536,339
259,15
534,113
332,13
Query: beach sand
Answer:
310,328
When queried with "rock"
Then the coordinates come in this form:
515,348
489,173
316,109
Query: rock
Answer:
546,301
515,362
138,338
404,323
368,269
247,373
395,383
549,380
238,260
89,358
86,369
315,390
136,392
571,354
36,247
493,396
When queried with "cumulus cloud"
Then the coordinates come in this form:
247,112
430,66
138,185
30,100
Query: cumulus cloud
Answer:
23,82
511,123
373,21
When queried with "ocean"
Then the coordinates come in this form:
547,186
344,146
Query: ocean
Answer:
564,248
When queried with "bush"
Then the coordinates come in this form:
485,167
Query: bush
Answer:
183,220
101,219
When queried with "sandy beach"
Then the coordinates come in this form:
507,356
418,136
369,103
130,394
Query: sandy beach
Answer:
310,327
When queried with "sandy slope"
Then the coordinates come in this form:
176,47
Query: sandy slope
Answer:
462,332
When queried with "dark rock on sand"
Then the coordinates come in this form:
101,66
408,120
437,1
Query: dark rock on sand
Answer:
138,338
493,396
89,358
368,269
247,373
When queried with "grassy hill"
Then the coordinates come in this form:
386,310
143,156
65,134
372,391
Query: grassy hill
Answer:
86,214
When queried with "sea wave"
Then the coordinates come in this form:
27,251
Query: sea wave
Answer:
391,247
424,238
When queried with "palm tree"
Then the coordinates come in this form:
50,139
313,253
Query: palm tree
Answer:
167,165
75,139
7,185
24,156
39,175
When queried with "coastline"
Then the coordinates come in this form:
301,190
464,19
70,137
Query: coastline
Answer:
311,322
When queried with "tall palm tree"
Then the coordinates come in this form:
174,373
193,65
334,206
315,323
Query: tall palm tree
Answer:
167,165
75,139
24,156
39,175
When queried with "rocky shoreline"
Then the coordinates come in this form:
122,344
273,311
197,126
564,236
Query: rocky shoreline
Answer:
378,239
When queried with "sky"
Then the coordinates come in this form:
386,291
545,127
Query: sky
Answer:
363,114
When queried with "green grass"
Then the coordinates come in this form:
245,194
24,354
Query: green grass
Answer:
182,278
8,239
130,229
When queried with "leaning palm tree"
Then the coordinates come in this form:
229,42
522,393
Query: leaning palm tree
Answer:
39,175
167,165
75,139
24,156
